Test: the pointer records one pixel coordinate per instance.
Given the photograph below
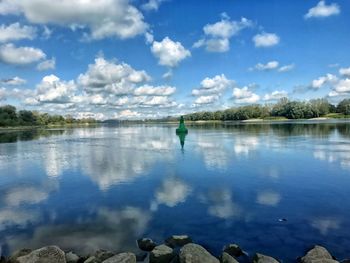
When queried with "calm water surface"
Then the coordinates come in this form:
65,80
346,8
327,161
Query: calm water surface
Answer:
91,188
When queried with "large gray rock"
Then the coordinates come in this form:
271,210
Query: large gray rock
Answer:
50,254
161,254
71,257
193,253
226,258
233,250
146,244
102,255
178,240
92,259
318,255
260,258
121,258
19,253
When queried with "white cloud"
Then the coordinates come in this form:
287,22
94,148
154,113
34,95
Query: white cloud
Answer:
245,96
11,54
2,94
14,81
343,86
217,35
103,18
53,90
126,114
215,85
323,10
321,81
154,91
169,53
286,68
152,5
109,77
344,72
16,32
47,64
275,95
268,66
266,40
206,99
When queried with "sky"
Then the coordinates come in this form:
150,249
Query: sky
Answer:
137,59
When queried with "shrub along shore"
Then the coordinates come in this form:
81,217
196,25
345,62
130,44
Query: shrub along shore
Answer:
175,249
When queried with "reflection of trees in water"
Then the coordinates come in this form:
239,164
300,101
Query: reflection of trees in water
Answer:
319,130
14,136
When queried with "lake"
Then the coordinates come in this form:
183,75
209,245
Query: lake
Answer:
274,188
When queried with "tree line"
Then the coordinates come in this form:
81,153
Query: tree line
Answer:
9,117
284,108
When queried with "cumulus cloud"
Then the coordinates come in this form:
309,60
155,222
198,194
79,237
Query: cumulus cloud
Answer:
169,53
14,81
286,68
321,81
268,66
217,35
126,114
211,89
110,77
343,86
209,99
323,10
152,5
266,40
154,91
215,85
47,64
11,54
344,72
275,95
16,32
53,90
245,96
103,18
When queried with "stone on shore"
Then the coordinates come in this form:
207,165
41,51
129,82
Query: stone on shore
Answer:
227,258
71,257
50,254
146,244
318,255
19,253
233,250
193,253
161,254
260,258
178,241
121,258
103,254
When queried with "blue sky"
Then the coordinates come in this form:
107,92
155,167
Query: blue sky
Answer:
153,58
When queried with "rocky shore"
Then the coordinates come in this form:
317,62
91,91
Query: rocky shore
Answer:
176,249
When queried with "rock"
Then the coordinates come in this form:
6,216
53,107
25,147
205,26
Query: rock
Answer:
193,253
50,254
121,258
233,250
178,240
161,254
260,258
71,257
19,253
226,258
92,259
102,255
146,244
318,255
